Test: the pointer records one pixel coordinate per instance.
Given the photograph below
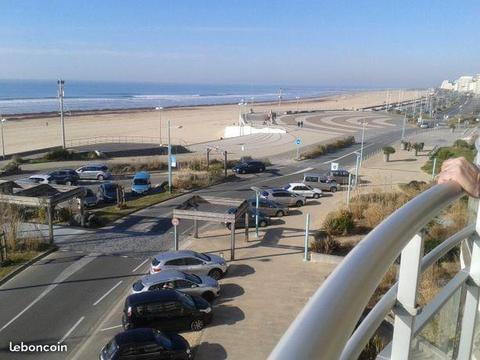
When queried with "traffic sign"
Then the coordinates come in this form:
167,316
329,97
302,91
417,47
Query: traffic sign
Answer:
175,222
173,161
334,166
298,141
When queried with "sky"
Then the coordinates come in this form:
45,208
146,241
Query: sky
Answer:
341,43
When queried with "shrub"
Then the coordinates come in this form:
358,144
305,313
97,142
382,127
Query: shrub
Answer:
372,349
324,243
387,150
64,214
339,222
11,168
59,155
328,148
461,144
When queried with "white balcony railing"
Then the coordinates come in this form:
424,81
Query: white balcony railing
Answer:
327,328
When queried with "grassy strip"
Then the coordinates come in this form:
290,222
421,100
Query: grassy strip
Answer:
109,214
328,148
458,150
16,259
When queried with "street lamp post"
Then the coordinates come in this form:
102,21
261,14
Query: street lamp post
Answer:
159,109
3,140
169,160
403,126
61,94
363,140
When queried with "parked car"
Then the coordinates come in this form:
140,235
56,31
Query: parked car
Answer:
107,192
40,179
141,183
146,343
263,220
304,190
94,172
190,262
340,176
203,286
269,208
90,199
284,197
249,166
323,182
64,177
167,310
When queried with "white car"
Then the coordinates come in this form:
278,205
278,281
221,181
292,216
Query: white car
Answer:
304,190
40,179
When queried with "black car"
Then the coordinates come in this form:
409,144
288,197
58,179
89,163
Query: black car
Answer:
107,192
146,343
64,177
167,310
250,166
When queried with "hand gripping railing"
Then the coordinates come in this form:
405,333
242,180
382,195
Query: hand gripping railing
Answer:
323,329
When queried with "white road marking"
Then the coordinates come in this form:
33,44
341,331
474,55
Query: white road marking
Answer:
300,171
58,280
107,293
111,328
344,156
71,330
139,266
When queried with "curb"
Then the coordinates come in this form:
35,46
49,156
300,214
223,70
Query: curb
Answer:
27,264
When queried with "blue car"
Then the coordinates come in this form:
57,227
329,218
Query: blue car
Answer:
141,183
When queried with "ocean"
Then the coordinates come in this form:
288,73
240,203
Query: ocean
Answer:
28,96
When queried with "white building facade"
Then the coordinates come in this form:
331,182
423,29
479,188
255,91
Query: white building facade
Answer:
464,84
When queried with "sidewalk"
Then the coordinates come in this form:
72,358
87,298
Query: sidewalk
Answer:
269,283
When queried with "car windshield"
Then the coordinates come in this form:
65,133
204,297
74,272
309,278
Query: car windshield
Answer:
193,278
110,349
90,192
140,182
202,256
162,339
155,262
187,299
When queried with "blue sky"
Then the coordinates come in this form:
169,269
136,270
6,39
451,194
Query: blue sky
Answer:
302,42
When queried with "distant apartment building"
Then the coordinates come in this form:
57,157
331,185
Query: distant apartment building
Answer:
463,84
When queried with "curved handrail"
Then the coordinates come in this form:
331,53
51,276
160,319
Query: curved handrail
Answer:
329,318
372,321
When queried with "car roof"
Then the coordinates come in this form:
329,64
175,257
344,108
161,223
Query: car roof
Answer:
44,176
297,184
152,296
142,175
140,335
162,276
169,255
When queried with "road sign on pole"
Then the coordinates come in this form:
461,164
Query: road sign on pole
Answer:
173,160
334,166
298,142
175,222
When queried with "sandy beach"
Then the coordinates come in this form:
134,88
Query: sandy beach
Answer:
190,125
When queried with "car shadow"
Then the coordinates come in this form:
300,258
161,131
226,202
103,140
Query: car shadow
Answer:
230,291
312,202
207,351
226,315
239,270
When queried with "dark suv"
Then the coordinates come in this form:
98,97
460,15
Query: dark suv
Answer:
167,310
146,343
250,166
64,177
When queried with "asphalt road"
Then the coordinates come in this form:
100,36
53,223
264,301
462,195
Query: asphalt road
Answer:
67,296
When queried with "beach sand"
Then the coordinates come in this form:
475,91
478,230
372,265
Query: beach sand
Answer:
190,125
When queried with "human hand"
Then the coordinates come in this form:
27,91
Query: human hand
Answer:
463,172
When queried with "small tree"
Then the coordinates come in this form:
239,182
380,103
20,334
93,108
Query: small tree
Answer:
404,144
387,151
417,147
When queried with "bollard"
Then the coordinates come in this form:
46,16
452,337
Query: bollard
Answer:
434,167
175,238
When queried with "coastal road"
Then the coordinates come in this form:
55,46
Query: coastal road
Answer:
67,296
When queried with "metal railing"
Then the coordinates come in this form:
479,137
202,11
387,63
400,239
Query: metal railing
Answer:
120,139
327,328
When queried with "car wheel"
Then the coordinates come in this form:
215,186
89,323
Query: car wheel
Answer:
68,183
333,189
197,325
229,226
208,295
215,274
263,223
100,177
316,196
262,169
279,213
243,172
299,203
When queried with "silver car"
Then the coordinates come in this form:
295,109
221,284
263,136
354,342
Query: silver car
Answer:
304,190
284,197
203,286
94,172
323,182
190,262
269,208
